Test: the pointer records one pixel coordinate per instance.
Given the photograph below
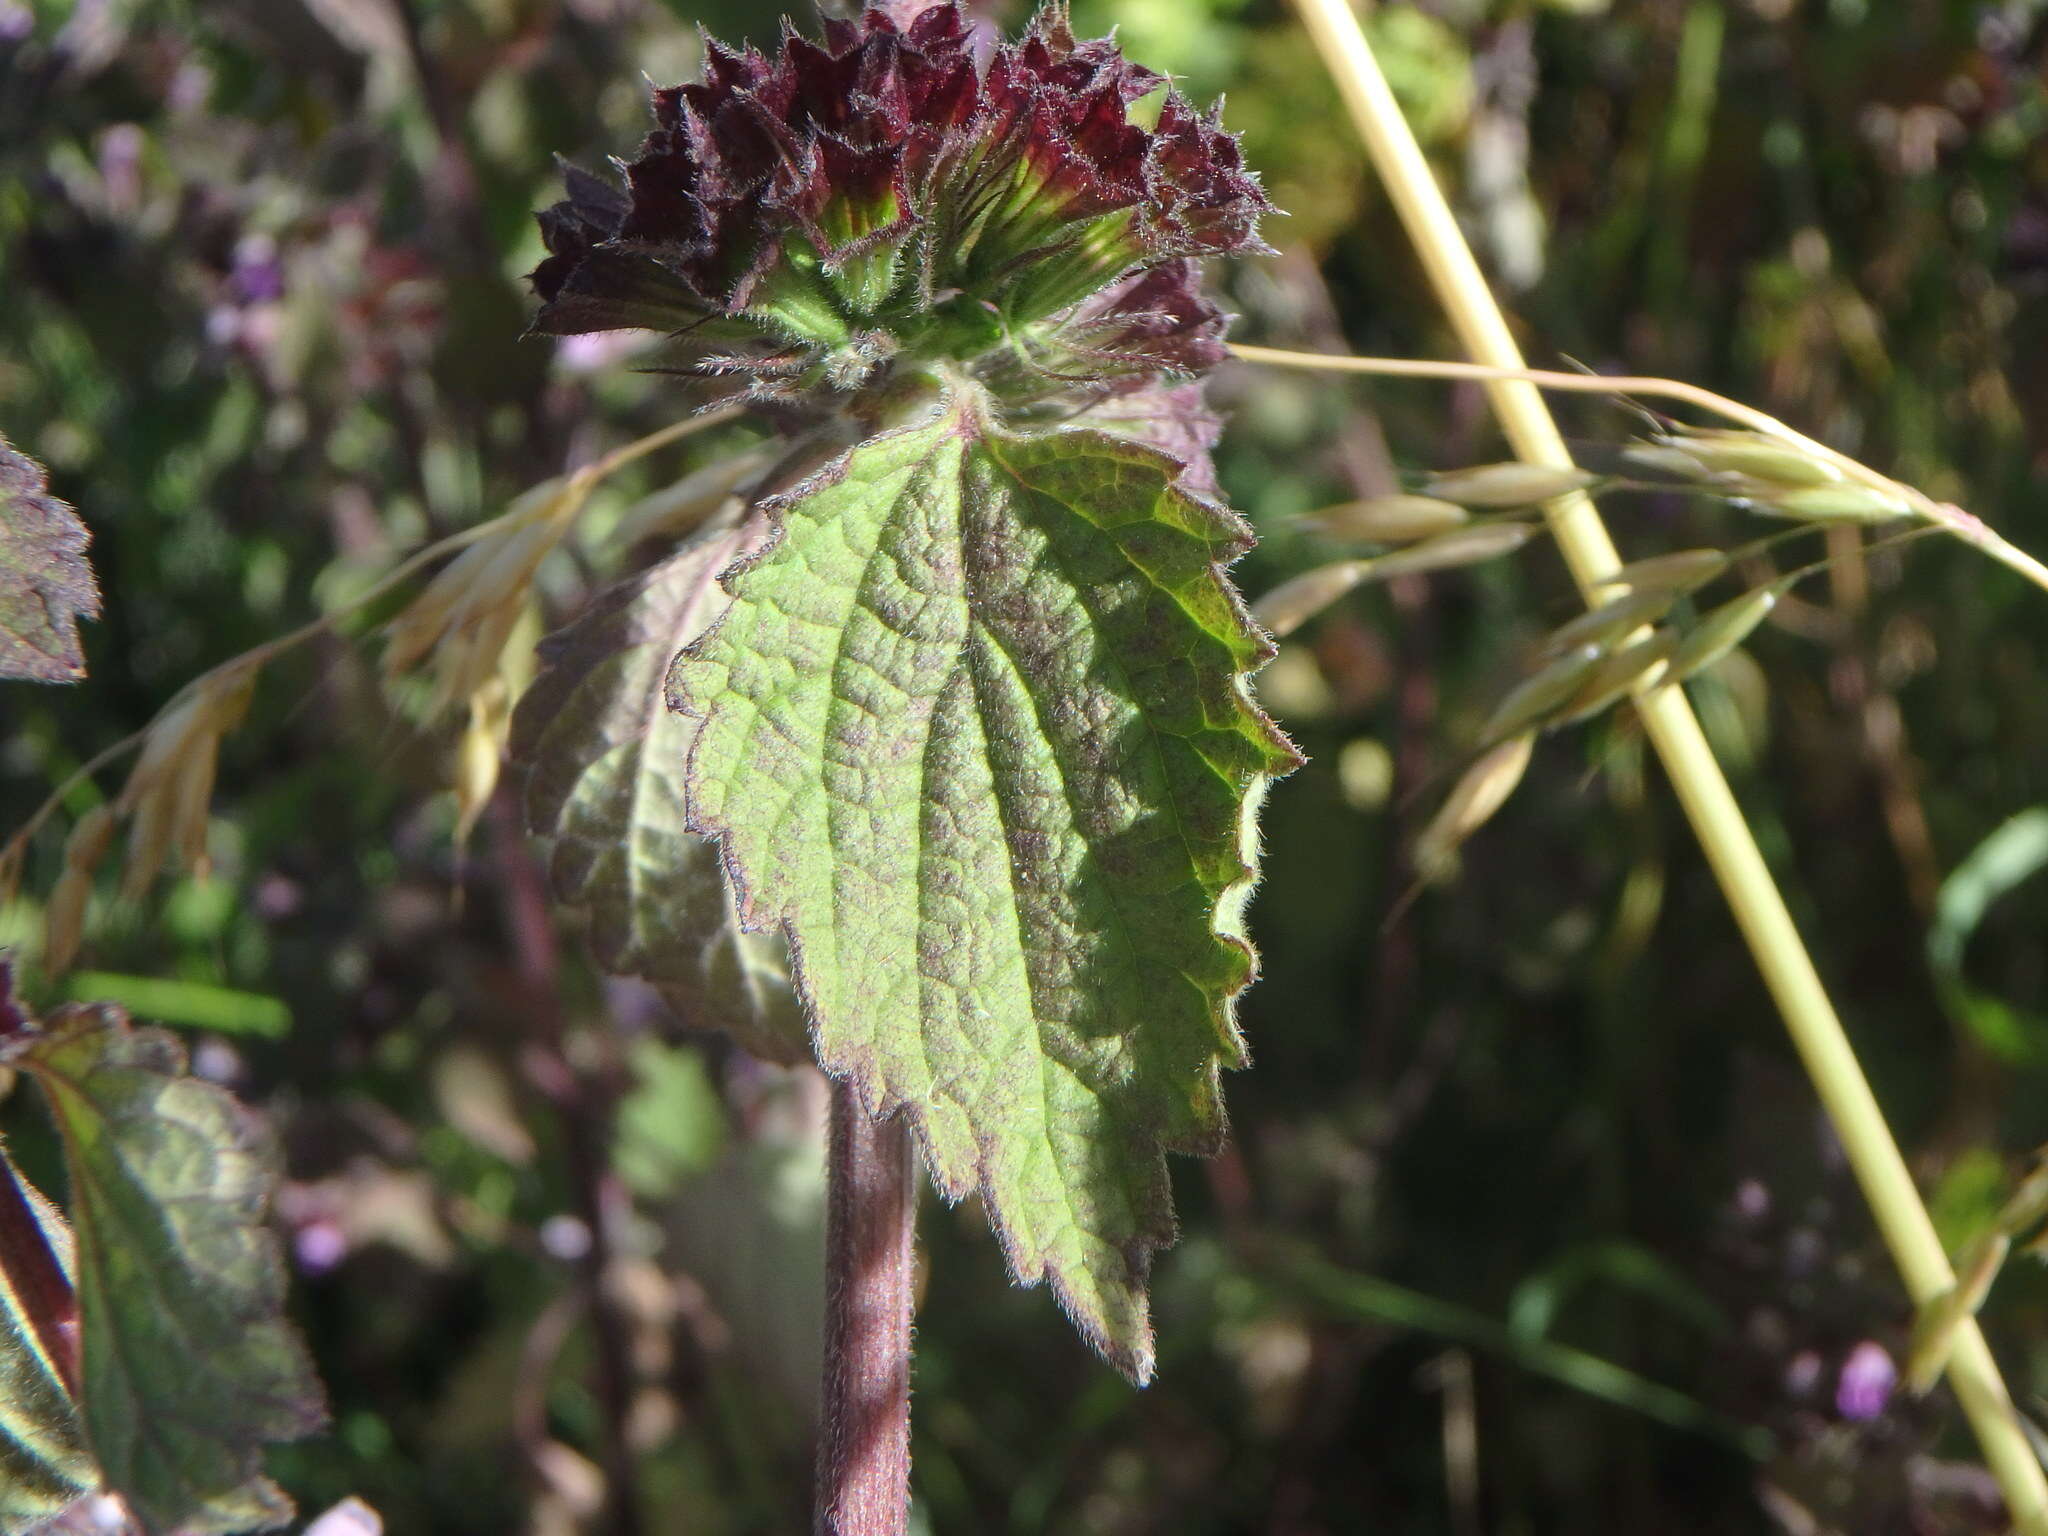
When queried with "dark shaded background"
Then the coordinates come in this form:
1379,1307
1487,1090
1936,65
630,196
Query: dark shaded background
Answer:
260,311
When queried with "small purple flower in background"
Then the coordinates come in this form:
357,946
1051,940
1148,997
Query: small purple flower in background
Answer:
598,351
121,149
1866,1382
565,1237
16,22
258,276
1802,1375
1752,1200
319,1246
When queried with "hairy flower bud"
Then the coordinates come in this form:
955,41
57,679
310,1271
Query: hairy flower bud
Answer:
898,197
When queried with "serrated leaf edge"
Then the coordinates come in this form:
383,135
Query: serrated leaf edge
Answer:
1134,1359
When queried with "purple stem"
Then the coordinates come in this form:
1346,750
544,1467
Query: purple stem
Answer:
870,1224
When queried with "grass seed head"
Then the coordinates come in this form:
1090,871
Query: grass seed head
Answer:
1390,519
460,624
1612,620
1532,701
1843,503
1502,486
1294,602
1681,571
479,754
679,508
1463,546
1752,457
1662,459
1720,632
90,839
64,917
1482,791
1619,674
170,789
1934,1330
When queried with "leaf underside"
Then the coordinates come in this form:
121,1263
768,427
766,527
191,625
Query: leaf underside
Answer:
45,1466
976,736
46,584
189,1363
605,760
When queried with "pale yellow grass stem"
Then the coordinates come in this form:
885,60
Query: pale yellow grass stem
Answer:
1758,907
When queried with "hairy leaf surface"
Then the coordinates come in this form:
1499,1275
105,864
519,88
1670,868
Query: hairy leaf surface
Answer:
189,1364
45,1466
606,760
46,585
976,736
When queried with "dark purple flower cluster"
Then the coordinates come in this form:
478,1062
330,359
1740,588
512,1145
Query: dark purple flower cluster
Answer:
902,194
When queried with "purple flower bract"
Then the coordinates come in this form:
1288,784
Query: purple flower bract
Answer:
898,196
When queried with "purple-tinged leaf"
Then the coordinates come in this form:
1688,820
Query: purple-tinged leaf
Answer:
605,760
188,1366
46,584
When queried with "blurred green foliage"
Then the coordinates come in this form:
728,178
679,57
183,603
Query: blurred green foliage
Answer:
260,313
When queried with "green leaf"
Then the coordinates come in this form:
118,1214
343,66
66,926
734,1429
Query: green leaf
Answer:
2010,856
976,735
45,1466
189,1366
672,1124
46,586
606,760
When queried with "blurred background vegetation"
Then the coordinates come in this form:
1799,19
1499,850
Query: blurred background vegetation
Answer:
1529,1223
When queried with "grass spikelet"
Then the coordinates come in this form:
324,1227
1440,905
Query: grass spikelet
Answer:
1536,697
1934,1331
64,918
1751,456
1612,620
460,623
1617,675
1661,459
170,789
1465,546
478,754
1720,632
1836,504
1498,487
1297,600
1681,571
1389,519
1482,791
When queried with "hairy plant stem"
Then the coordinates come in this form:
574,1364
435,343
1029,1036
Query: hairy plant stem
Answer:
1731,849
870,1225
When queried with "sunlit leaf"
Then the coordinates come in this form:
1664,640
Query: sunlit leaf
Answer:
46,585
976,735
606,759
673,1122
2009,857
189,1366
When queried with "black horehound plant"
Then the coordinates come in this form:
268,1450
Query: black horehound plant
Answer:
926,751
